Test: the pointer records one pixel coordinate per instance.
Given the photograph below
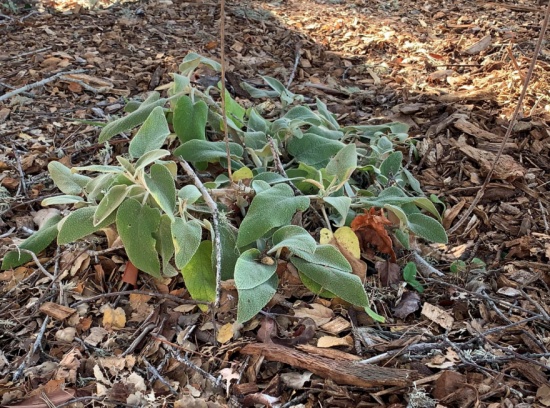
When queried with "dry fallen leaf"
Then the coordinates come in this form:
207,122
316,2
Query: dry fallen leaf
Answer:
438,315
371,231
225,333
66,335
331,341
409,303
114,318
295,380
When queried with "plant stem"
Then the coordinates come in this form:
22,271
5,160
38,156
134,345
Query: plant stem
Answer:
215,225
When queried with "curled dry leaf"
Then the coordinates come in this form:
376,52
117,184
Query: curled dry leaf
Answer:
371,231
114,318
388,272
267,330
295,380
303,332
410,303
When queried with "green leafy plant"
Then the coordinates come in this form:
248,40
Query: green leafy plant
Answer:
460,266
409,276
302,161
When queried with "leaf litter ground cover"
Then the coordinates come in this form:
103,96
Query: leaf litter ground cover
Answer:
477,335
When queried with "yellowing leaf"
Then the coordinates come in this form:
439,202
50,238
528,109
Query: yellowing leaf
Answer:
325,236
242,173
347,239
114,318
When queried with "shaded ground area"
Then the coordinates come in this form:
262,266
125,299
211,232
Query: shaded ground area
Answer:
451,70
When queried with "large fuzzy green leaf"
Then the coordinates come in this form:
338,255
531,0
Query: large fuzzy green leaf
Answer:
161,186
344,163
229,251
205,151
269,209
35,243
341,205
65,180
61,199
137,224
255,282
151,135
80,224
313,149
329,269
134,119
150,157
110,202
165,245
392,164
427,228
190,119
199,275
296,239
186,237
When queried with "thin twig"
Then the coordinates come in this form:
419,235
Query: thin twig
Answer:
30,52
159,377
174,352
39,83
82,84
296,62
22,184
36,261
224,112
536,304
104,251
513,120
141,292
37,344
142,334
425,269
215,224
83,399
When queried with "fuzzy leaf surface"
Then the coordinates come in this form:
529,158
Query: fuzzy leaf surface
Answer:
279,203
110,202
205,151
344,163
293,237
80,224
199,275
313,149
328,268
427,228
165,245
255,282
162,188
65,180
151,135
134,119
186,237
35,243
137,224
190,119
